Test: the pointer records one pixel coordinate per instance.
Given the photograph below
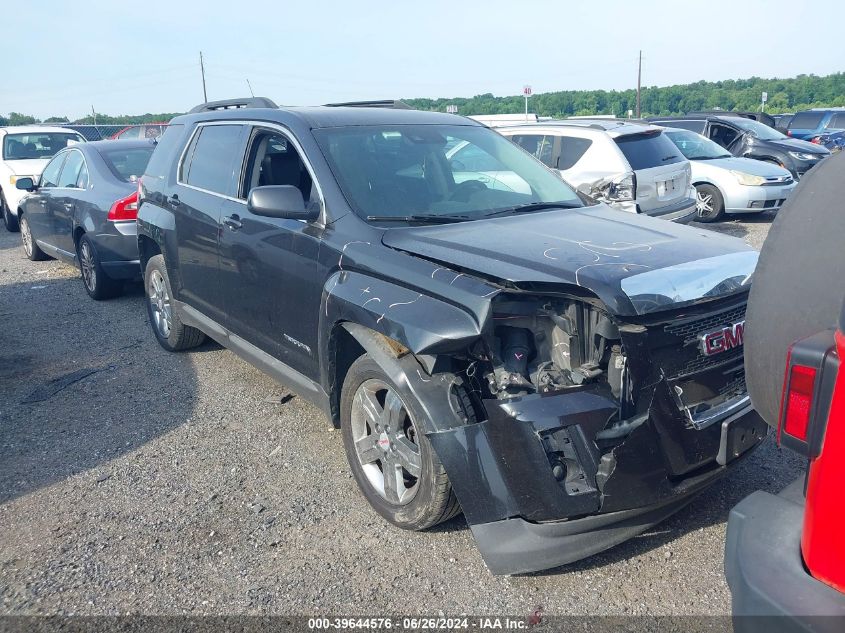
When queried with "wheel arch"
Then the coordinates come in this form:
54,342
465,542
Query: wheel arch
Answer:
147,249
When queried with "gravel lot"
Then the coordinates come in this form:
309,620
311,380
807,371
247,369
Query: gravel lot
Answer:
136,481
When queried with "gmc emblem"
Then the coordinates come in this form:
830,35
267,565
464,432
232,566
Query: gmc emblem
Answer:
722,340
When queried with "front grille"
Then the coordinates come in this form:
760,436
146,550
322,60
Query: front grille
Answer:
690,330
676,348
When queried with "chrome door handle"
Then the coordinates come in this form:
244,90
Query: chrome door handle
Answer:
233,222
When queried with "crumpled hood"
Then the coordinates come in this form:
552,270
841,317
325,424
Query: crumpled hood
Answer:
28,166
635,264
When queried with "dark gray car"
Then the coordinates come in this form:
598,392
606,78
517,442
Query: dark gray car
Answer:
82,210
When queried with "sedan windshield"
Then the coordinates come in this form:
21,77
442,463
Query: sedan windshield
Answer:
37,144
438,173
759,130
696,147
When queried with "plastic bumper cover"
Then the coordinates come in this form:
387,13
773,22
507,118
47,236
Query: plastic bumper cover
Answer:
771,590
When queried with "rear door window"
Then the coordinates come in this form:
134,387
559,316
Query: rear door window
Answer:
71,170
209,164
541,146
806,121
648,149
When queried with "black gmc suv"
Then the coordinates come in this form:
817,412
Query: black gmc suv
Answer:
565,374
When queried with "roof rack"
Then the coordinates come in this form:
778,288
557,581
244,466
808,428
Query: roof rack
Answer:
234,104
385,103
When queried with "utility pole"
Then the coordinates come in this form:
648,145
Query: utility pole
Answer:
94,115
202,70
639,82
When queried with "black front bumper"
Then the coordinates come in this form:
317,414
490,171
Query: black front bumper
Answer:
538,493
772,591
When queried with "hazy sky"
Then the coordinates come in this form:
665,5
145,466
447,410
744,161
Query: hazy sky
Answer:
63,57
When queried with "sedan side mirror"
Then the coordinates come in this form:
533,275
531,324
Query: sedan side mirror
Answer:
280,201
25,184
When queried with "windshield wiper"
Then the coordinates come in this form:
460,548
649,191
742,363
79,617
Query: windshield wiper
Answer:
431,218
533,206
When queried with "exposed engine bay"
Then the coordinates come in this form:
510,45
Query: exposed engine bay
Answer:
544,345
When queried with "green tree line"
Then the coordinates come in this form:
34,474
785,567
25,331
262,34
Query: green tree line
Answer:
785,95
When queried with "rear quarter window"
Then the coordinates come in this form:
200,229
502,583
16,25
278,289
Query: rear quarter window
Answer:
837,121
649,149
806,121
165,152
571,151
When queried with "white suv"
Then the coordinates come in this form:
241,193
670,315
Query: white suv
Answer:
631,166
25,151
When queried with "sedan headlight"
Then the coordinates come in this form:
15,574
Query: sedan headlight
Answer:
748,179
804,156
13,180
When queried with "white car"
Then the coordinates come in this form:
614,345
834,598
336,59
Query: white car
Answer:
632,166
26,150
730,184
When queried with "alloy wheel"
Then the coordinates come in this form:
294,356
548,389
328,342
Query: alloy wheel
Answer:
88,267
386,439
704,204
26,237
160,304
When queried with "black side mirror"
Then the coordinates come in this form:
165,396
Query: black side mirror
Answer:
280,201
25,184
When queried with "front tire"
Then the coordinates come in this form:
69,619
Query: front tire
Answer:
393,462
9,221
97,283
171,333
709,204
30,247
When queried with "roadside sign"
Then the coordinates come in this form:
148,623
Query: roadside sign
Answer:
452,109
765,97
526,91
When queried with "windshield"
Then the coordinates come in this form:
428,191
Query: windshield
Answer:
451,172
696,147
760,130
37,144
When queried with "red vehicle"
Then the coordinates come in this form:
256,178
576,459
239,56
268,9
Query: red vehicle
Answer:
144,130
785,554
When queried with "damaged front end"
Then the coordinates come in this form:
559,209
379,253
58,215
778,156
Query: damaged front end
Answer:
593,427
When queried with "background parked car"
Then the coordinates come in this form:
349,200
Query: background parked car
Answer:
782,121
146,130
785,555
811,123
728,184
762,117
83,211
25,152
743,137
631,166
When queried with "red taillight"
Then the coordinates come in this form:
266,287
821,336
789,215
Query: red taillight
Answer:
125,208
816,139
799,401
811,367
789,132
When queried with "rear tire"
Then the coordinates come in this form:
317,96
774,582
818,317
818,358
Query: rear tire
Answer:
9,221
385,433
30,247
709,204
171,333
97,283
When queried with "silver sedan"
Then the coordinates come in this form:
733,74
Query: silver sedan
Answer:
728,184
